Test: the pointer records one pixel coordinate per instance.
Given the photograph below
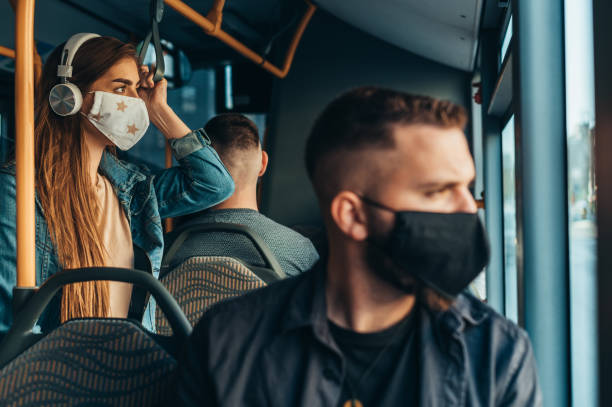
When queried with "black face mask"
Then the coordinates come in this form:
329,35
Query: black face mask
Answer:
445,251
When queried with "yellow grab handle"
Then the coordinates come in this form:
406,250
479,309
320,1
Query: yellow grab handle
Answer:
214,29
7,52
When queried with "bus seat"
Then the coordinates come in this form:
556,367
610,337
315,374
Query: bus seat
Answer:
200,281
92,361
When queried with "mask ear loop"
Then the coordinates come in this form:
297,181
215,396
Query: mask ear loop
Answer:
371,202
373,240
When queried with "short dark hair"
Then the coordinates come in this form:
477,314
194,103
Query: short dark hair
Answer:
232,131
365,117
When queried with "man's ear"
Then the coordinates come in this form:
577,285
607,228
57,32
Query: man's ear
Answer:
348,214
264,163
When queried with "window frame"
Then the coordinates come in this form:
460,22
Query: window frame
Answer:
505,121
543,272
602,42
505,26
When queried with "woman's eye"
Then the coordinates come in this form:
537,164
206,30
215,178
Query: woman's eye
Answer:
120,90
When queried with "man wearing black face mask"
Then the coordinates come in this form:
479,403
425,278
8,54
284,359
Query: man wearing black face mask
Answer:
381,320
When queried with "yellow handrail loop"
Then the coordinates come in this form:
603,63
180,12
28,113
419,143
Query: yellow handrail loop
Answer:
212,26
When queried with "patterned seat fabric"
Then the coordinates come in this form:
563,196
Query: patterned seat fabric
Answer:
199,282
89,362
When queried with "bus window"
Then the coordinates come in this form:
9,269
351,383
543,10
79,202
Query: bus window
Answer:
479,285
510,240
506,41
582,200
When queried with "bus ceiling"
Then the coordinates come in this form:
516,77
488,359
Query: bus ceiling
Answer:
446,32
436,29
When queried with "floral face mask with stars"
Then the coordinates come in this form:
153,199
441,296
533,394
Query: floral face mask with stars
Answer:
122,119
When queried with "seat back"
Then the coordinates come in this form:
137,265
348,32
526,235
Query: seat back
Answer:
94,361
200,282
271,271
90,362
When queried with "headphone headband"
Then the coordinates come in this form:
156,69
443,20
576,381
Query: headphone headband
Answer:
65,98
64,69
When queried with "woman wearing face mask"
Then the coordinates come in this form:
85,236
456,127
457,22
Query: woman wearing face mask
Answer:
91,208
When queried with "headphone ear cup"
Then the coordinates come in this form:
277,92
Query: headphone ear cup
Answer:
65,99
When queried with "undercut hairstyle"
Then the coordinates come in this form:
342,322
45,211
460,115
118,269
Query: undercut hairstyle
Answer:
230,132
365,118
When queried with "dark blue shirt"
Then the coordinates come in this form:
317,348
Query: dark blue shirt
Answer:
379,363
273,347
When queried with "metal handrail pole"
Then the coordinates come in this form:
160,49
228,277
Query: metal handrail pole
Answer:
24,142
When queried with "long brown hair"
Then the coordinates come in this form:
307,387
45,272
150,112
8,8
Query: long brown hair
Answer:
63,182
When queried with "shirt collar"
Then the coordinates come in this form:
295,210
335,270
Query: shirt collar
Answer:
309,307
469,309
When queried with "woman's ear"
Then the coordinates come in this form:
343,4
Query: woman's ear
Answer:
88,99
349,215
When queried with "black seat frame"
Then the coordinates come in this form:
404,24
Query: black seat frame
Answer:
272,272
21,336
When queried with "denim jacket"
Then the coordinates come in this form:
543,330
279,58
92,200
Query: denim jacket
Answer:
273,347
200,181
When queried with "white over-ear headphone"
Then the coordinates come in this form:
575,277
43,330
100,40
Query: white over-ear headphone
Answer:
65,98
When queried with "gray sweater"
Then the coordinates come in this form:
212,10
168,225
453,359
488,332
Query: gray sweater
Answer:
294,252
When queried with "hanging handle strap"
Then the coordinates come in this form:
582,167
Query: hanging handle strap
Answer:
157,13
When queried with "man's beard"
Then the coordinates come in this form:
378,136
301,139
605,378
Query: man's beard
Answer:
384,268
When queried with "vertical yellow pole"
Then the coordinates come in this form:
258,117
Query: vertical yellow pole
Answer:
24,149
